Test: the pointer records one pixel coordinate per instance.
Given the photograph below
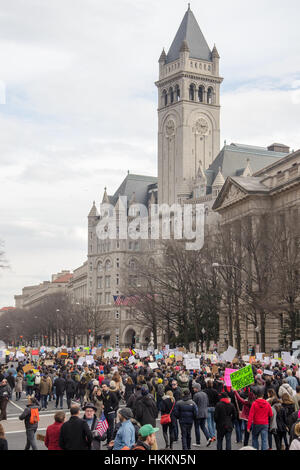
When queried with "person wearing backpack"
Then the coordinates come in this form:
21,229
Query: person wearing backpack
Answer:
31,418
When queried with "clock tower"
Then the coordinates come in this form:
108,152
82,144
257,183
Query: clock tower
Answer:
188,111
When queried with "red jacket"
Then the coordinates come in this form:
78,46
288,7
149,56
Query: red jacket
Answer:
260,413
52,436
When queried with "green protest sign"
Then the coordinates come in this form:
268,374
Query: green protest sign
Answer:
242,378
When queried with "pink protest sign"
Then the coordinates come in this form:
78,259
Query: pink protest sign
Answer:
227,376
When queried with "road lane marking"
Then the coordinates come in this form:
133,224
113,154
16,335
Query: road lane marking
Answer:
17,406
24,430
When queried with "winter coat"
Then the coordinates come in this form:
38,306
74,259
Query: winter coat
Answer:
110,402
186,410
146,410
5,392
285,388
52,436
129,389
45,386
224,416
96,441
60,386
26,416
70,387
213,397
19,384
11,381
75,435
260,413
246,406
201,400
281,420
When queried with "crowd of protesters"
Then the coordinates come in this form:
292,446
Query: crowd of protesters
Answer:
122,404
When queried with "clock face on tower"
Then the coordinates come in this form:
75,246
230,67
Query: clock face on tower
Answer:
201,126
170,128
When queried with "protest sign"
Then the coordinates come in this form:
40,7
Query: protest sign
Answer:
252,359
158,356
143,354
178,358
268,372
35,352
259,356
266,360
207,370
228,355
192,364
49,363
89,360
242,378
80,361
215,369
286,357
153,365
27,368
131,360
227,376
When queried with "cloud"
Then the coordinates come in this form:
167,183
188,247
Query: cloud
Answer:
80,107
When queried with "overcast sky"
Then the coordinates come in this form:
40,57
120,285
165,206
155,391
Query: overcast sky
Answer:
79,107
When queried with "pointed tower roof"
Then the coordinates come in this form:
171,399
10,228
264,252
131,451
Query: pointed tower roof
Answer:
93,211
215,52
163,56
105,199
190,32
219,180
200,173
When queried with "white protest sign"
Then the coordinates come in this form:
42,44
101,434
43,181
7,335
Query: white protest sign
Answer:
229,355
143,354
108,354
266,360
153,365
259,356
80,361
89,360
286,357
192,364
131,360
246,358
115,369
268,372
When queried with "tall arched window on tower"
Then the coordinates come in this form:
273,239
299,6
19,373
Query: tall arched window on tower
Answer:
192,92
201,93
171,91
177,91
165,98
210,96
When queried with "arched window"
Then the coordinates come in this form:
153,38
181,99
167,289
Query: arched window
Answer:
201,94
171,91
132,265
165,97
192,92
99,267
107,265
177,91
210,96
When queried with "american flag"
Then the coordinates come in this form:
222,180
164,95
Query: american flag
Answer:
102,425
126,300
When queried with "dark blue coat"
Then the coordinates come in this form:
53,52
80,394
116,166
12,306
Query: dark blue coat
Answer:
186,410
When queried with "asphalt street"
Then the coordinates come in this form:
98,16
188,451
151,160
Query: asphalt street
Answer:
16,437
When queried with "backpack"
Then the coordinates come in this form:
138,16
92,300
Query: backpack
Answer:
37,380
34,416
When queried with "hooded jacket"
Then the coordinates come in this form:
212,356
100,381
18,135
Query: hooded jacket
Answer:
224,416
146,410
260,413
26,416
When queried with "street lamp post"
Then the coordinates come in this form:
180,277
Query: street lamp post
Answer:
203,333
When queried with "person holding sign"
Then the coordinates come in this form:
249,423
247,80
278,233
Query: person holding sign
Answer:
259,415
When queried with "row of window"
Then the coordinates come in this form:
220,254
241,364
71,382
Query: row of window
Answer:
195,94
192,64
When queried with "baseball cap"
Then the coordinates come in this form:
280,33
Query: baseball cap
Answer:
147,429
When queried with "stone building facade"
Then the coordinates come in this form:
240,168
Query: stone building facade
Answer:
274,189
